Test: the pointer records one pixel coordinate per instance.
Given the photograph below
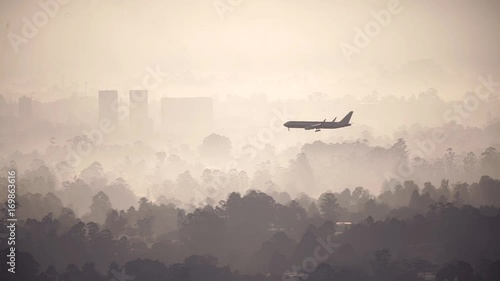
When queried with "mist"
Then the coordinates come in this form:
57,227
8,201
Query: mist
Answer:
148,140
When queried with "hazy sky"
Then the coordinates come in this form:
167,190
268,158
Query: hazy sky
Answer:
280,47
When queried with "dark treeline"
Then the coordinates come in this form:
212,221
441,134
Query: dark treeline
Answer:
316,211
448,232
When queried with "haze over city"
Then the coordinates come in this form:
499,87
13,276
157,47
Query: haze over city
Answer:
196,140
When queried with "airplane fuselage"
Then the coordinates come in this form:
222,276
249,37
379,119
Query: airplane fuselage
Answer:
309,125
318,125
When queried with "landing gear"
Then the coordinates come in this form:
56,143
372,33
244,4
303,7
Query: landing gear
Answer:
317,130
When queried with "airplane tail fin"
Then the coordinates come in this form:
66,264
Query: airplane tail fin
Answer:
346,119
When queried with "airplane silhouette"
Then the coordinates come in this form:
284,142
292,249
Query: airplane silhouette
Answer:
318,125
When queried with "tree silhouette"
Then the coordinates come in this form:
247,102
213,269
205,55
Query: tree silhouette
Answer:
329,207
100,207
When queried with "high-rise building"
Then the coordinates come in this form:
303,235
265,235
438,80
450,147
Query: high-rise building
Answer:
187,117
139,122
25,108
108,100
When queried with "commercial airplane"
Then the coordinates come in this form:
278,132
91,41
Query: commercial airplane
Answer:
318,125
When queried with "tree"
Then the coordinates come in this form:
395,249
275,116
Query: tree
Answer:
80,143
430,189
215,148
76,195
360,196
457,200
67,219
459,271
301,172
381,265
145,227
277,263
400,150
470,163
290,216
489,191
462,189
490,161
26,267
415,200
328,206
100,207
90,273
312,210
49,275
444,189
92,230
202,231
187,187
344,198
116,222
92,173
120,194
449,161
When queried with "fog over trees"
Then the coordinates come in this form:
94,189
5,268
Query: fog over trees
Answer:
250,200
146,140
360,209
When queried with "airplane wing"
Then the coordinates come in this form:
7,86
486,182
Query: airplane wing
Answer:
314,126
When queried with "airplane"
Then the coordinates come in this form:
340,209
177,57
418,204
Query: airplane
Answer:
318,125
